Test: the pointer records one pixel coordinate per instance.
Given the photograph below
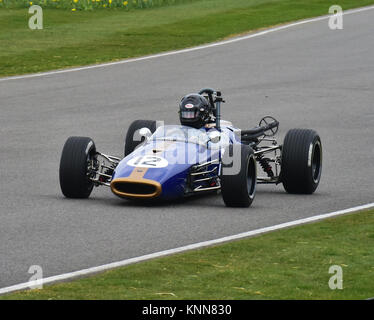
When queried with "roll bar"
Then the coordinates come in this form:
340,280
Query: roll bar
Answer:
214,102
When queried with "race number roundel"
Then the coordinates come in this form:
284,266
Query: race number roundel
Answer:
148,162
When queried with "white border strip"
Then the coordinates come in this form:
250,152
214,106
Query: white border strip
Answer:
170,53
126,262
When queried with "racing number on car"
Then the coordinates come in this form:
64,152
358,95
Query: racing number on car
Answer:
148,162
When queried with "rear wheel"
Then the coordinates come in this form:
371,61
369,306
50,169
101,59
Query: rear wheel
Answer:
75,159
301,161
238,180
132,141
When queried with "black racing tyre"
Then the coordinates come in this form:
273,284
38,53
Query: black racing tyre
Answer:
75,157
301,166
238,186
131,142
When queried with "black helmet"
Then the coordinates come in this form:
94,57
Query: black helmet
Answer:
194,111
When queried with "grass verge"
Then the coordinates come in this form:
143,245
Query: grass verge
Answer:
88,37
286,264
91,4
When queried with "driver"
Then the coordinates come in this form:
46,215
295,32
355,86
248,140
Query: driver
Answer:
195,111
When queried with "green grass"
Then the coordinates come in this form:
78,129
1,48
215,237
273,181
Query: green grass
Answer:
286,264
91,4
88,37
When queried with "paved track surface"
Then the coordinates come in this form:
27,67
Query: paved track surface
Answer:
306,76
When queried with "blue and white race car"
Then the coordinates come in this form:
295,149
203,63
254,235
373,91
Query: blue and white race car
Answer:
202,154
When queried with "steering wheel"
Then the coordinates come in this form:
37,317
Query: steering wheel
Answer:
270,122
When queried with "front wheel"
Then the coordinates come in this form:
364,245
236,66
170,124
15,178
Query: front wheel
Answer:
239,176
301,166
76,156
131,141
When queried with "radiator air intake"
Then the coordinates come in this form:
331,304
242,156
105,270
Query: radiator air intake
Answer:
139,188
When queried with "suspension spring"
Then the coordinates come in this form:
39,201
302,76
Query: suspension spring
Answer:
264,163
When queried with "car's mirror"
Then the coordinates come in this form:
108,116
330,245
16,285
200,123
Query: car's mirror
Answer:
214,137
146,133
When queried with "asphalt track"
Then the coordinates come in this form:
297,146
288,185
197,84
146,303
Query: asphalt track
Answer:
306,76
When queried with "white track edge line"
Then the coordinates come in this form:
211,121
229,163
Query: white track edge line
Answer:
169,53
198,245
